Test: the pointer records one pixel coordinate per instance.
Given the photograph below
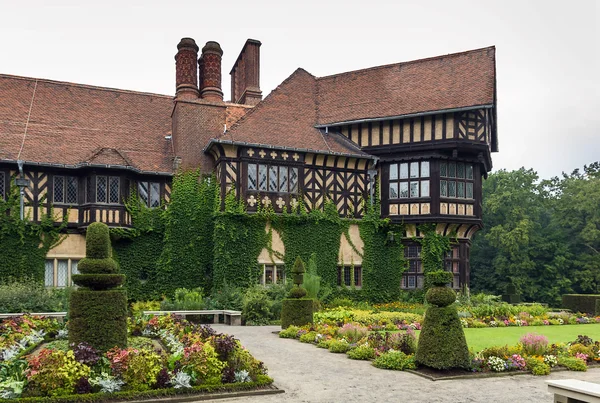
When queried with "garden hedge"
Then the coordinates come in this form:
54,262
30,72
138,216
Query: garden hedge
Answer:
91,265
584,303
297,312
97,242
99,318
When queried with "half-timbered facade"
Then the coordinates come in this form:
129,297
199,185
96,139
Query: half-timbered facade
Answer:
419,133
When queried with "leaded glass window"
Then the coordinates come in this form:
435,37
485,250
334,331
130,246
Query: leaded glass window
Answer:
399,184
154,194
393,190
49,273
89,190
414,189
403,190
114,190
272,179
252,180
65,189
294,180
424,188
143,192
451,189
469,194
72,185
59,189
443,188
262,177
393,172
403,171
74,264
425,169
456,180
62,273
283,179
460,189
101,189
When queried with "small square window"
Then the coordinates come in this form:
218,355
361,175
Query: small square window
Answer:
403,189
425,169
393,172
414,169
414,189
424,188
394,190
403,171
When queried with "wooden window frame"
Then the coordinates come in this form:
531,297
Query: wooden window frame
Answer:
409,179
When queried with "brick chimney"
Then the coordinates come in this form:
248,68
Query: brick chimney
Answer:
245,75
186,69
210,72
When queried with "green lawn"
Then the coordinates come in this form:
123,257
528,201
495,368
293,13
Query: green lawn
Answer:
478,339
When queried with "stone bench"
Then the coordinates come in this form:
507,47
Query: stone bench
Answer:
58,315
233,318
574,391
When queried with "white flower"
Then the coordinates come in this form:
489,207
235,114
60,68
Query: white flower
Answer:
551,360
496,363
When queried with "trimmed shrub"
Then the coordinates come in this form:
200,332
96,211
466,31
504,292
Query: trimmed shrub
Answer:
439,278
361,353
97,314
297,292
98,318
395,360
290,333
585,303
440,296
297,312
338,346
97,266
572,363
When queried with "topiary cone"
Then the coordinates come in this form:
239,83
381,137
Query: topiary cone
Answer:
98,310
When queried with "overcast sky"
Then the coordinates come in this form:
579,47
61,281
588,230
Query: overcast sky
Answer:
546,52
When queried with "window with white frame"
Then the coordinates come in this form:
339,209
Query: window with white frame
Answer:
149,193
409,180
272,178
58,272
272,274
65,189
456,180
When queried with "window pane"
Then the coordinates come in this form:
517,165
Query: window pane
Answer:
411,281
403,189
252,182
452,170
101,192
283,179
425,169
49,273
272,179
469,190
262,177
414,189
143,192
469,171
154,194
420,282
59,194
414,169
280,275
268,274
460,170
293,180
424,188
443,188
74,264
412,266
393,171
443,169
114,189
403,171
460,190
451,189
63,273
347,276
394,190
89,197
72,189
357,276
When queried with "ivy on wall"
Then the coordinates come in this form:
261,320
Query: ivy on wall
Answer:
433,248
24,244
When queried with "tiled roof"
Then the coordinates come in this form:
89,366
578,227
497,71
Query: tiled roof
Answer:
439,83
72,124
288,116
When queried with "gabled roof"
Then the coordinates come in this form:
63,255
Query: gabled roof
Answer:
77,125
286,118
452,81
290,117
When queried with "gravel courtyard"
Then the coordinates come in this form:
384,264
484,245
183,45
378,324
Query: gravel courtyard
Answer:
310,374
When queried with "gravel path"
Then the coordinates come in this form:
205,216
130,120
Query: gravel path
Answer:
310,374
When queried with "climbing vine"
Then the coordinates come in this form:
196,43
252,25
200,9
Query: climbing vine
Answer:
24,244
433,248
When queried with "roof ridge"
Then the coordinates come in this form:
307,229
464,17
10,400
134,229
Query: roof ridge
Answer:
407,62
262,103
88,86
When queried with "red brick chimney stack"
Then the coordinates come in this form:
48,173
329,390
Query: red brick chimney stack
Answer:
186,69
210,72
245,75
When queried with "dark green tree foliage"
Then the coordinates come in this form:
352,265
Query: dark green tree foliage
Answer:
442,343
138,251
317,232
25,244
238,240
543,237
98,310
383,258
187,256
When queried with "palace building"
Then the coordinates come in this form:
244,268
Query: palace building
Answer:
422,130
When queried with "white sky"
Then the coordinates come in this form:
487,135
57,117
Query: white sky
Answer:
547,53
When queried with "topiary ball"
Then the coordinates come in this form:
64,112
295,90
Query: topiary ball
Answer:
440,296
297,292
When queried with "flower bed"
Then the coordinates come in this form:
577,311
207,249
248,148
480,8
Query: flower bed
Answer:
395,350
21,334
197,360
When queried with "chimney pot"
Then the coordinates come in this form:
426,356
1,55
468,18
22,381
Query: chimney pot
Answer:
186,68
245,75
210,72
